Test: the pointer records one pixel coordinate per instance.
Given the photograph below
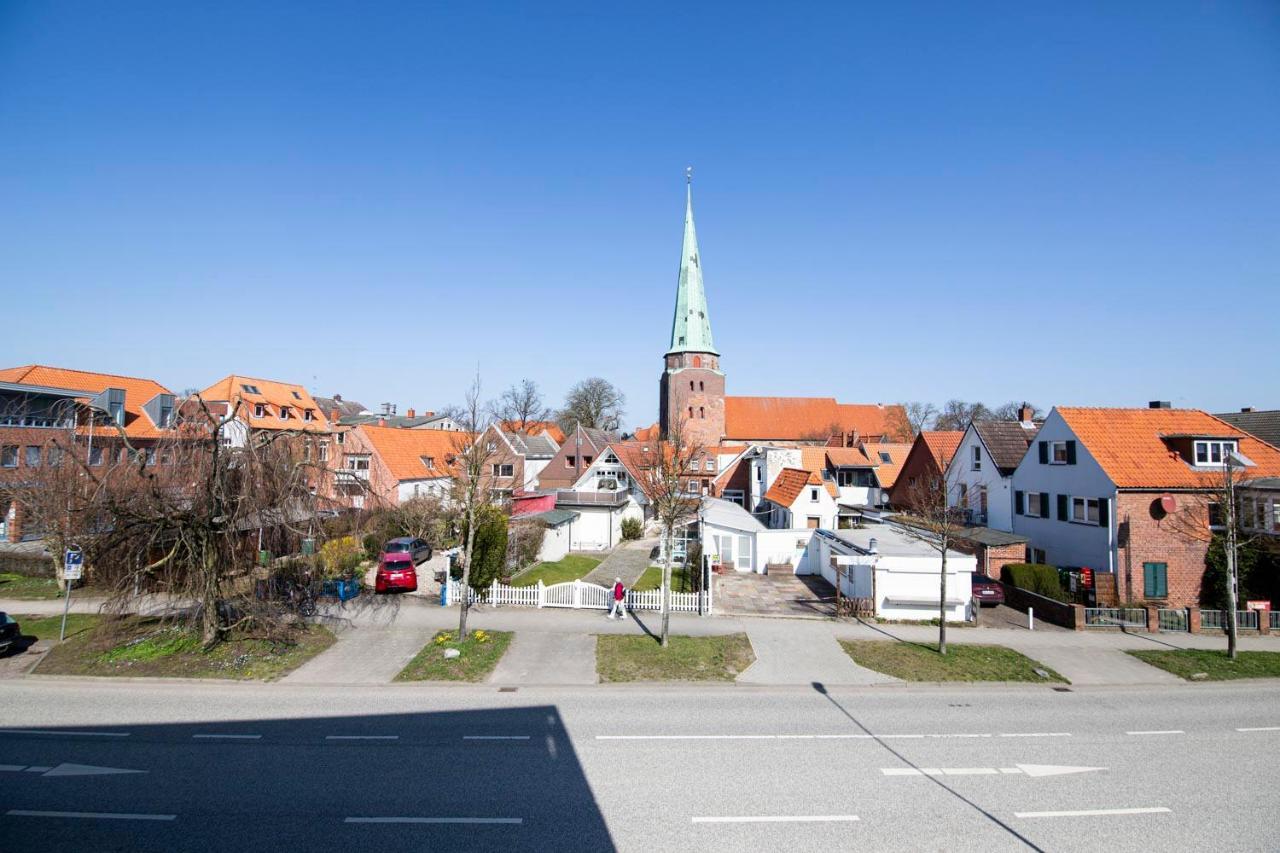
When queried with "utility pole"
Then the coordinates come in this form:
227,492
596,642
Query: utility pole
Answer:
1229,516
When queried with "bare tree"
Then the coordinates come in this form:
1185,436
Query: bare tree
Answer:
594,403
425,517
668,483
957,415
521,406
932,521
1012,411
910,419
473,446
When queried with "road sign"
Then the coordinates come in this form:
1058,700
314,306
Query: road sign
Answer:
1086,578
73,567
1254,604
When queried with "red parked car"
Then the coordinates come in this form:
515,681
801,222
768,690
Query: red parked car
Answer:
987,590
395,572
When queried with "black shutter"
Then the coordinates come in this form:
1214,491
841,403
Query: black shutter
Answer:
1044,453
1019,501
1071,453
1044,504
1103,519
1062,508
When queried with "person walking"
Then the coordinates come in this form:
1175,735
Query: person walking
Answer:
619,607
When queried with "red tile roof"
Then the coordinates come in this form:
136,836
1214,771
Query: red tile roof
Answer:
943,444
802,418
137,392
1130,446
401,450
788,485
887,472
275,397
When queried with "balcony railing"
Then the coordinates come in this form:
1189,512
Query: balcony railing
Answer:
569,497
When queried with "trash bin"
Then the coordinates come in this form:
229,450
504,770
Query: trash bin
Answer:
264,558
308,546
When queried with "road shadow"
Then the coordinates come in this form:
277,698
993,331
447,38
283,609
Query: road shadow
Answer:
492,779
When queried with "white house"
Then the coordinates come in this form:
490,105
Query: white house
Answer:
980,476
899,573
800,498
731,536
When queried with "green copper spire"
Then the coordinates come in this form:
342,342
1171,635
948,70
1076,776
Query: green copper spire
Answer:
691,327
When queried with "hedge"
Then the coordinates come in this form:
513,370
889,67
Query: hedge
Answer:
1034,577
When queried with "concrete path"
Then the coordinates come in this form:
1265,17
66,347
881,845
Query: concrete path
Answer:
628,561
785,655
541,657
363,654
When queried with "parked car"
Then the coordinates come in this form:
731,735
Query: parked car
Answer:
9,632
418,548
395,572
987,590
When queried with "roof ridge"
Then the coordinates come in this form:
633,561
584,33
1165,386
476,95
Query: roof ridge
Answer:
27,368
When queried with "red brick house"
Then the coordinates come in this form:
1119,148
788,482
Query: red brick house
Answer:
929,456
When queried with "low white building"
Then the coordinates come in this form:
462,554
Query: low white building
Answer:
558,538
899,573
731,536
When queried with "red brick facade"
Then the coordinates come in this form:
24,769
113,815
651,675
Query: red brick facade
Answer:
1148,534
692,391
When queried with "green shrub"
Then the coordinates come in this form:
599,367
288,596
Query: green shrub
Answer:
489,551
632,528
372,546
1034,577
340,557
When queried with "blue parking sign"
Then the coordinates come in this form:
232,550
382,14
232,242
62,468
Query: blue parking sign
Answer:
73,567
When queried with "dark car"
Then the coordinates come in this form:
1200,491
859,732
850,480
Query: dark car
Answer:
9,632
418,549
987,591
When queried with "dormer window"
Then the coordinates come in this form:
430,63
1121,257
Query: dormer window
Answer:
1212,452
429,462
259,410
308,414
249,389
296,395
284,413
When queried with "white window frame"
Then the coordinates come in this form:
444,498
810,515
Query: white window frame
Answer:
1211,446
324,451
709,464
813,494
259,410
1054,447
1032,512
308,415
284,413
504,469
976,461
1085,511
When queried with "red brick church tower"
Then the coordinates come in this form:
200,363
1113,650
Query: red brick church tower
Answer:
692,386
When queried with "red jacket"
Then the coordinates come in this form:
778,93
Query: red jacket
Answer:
618,591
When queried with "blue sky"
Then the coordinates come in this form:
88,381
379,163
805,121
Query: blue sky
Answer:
1071,202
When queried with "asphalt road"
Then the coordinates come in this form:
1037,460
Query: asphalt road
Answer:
413,767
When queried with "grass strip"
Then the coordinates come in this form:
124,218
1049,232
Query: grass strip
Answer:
1212,664
480,653
921,662
630,658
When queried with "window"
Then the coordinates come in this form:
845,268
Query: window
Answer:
250,389
813,522
586,460
1155,580
324,451
736,496
570,461
860,477
1275,515
9,456
1034,504
690,384
306,452
702,412
259,410
95,455
54,456
150,456
1216,520
1038,556
284,413
308,414
341,438
166,458
709,464
504,469
32,457
813,495
492,447
977,459
296,395
1058,452
982,500
691,412
357,463
964,494
1213,452
885,457
429,462
701,387
1084,510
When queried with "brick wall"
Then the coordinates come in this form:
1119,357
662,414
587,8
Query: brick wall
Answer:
692,390
1178,539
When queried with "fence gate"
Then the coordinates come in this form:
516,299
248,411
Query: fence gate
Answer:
576,594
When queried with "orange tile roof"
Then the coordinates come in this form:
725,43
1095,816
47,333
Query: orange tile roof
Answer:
401,450
137,392
275,396
649,433
789,483
1129,445
887,472
551,428
802,418
943,444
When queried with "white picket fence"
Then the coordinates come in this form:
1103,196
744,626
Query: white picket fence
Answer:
578,595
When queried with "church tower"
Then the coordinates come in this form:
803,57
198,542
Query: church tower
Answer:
692,387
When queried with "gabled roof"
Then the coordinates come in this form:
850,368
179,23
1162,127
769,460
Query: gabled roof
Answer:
942,444
1006,441
1132,448
539,446
887,472
346,408
790,483
274,397
137,391
649,433
1263,424
548,428
802,418
402,450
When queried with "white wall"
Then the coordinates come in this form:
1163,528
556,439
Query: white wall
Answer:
1066,543
532,468
600,528
824,508
785,546
438,487
555,543
999,489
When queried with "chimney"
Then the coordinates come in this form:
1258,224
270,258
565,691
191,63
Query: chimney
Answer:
1159,404
382,421
409,413
1246,410
337,398
1025,413
429,415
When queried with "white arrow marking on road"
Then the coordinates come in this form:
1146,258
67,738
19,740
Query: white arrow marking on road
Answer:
1035,771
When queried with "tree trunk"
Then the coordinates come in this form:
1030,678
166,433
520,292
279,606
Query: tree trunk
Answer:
209,593
942,605
666,586
466,572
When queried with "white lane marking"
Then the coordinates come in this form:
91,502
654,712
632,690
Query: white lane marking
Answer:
816,818
14,768
37,769
495,737
1035,734
362,737
1159,732
69,734
733,737
1260,729
226,737
85,770
1093,812
467,820
1035,771
97,815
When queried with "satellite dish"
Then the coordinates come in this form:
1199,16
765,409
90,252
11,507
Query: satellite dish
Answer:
1168,503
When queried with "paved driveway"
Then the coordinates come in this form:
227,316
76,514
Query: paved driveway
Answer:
778,594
